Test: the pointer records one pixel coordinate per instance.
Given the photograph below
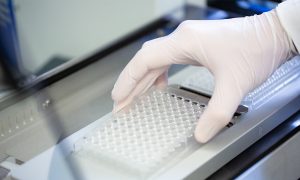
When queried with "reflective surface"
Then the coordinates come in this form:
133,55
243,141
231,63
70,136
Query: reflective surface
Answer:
82,98
78,99
203,82
52,32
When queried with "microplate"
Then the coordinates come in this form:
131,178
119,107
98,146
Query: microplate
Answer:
154,129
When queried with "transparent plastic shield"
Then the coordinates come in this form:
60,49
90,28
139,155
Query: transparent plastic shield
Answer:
202,81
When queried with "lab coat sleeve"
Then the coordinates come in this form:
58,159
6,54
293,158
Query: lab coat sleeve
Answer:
289,16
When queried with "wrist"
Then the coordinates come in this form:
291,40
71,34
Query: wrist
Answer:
283,47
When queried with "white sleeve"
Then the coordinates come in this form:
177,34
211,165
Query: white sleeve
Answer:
289,16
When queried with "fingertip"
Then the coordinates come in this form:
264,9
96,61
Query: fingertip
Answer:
210,124
115,108
120,91
114,95
118,107
220,109
200,138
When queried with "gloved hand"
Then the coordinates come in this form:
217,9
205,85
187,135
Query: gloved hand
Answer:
241,53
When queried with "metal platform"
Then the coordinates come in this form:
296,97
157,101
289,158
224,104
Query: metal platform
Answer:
200,161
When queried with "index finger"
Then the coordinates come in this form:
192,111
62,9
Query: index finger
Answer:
148,58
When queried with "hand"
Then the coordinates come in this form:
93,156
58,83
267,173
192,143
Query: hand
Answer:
241,53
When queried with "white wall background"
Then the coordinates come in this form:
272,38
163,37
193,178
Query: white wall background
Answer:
197,2
75,27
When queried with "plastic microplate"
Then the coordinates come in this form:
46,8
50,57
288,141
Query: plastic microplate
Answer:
144,136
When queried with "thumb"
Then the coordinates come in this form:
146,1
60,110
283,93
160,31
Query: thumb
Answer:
223,104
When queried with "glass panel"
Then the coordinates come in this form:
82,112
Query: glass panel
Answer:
52,32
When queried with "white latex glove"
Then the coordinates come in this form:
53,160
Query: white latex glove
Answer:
241,53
